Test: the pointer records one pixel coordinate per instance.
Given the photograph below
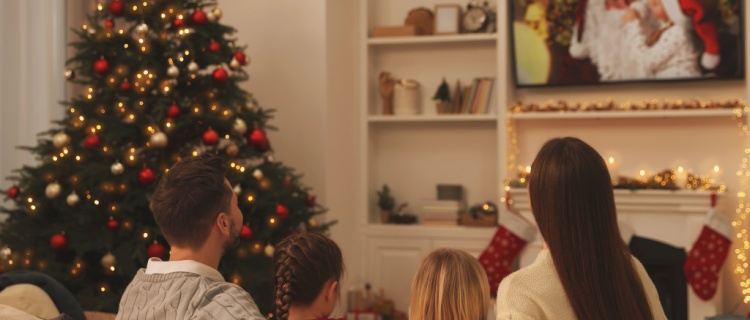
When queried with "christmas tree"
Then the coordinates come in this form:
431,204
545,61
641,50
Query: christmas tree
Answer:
159,82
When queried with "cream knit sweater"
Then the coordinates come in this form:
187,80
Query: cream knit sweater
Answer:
535,292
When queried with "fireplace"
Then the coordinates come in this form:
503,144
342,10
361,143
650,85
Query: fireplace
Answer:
662,221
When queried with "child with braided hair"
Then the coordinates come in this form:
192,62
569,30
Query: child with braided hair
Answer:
307,269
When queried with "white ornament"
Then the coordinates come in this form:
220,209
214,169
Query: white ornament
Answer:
108,260
117,168
52,190
192,67
234,64
232,150
268,250
141,28
239,126
210,16
159,140
70,74
72,199
270,158
91,31
60,139
173,71
237,189
5,253
258,174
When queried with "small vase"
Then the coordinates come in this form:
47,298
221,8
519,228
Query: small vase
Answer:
385,216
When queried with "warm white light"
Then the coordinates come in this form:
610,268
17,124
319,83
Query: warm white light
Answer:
528,169
716,168
611,160
680,169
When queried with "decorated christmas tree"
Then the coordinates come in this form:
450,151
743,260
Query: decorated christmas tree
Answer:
159,82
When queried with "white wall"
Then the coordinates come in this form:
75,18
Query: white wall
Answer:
32,61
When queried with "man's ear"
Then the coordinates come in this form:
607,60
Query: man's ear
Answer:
222,221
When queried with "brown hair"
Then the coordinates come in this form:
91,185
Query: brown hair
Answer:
302,264
571,196
189,197
449,285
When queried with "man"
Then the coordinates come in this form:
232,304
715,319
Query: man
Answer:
197,212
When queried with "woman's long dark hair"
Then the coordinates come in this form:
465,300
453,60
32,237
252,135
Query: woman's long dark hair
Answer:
571,196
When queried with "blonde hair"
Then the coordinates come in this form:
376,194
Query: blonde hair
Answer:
449,285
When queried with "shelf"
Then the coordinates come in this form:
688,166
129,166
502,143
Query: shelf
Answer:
484,37
623,114
428,231
433,118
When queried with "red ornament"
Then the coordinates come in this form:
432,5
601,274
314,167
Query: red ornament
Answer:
109,23
156,250
113,224
146,176
58,242
282,211
116,8
220,75
258,140
246,233
287,182
92,141
13,192
199,17
214,46
125,85
311,200
178,23
210,137
101,66
173,111
240,58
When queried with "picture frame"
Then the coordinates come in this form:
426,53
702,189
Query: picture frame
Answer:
553,45
447,19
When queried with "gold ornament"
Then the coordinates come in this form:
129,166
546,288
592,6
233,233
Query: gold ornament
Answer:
108,261
217,13
52,190
159,140
312,223
268,250
72,199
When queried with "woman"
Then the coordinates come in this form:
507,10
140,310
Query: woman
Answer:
307,270
449,285
586,270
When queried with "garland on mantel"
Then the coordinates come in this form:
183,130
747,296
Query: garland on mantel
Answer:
611,105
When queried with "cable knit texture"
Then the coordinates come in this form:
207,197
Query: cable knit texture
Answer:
535,292
184,295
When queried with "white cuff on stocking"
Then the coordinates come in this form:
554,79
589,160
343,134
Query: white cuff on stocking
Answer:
719,223
518,226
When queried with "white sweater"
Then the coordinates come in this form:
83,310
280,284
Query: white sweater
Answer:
535,292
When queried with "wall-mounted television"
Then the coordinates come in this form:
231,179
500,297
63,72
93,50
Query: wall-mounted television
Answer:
584,42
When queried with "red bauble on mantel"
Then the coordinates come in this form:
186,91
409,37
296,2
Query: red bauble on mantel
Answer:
173,111
156,250
58,242
13,192
199,17
92,141
116,8
257,138
125,85
101,66
246,233
220,75
282,211
146,176
113,224
240,57
214,46
210,137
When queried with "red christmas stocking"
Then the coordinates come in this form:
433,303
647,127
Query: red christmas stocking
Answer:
709,252
511,236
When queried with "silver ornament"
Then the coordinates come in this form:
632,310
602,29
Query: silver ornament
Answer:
159,140
117,168
258,174
192,67
70,74
234,64
5,253
141,28
72,199
217,13
239,126
237,189
173,71
108,261
268,250
52,190
232,150
60,139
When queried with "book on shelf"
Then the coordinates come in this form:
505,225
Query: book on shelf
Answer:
440,210
479,98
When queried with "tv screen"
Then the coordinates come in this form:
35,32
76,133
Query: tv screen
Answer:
577,42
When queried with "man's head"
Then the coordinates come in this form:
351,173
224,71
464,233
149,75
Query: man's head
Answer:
193,200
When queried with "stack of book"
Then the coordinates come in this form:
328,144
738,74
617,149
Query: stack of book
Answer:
440,212
479,98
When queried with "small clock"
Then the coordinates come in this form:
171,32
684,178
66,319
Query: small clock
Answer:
475,19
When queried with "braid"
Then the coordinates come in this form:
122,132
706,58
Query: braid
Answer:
284,278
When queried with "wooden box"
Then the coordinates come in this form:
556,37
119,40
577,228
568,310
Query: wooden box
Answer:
394,31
